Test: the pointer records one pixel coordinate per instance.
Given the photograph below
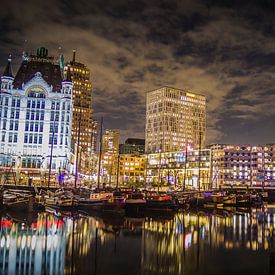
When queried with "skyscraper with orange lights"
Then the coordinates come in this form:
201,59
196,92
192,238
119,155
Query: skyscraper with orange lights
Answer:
83,125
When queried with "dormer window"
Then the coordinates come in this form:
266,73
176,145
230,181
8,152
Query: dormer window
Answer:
36,94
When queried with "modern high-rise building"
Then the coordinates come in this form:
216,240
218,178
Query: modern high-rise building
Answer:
110,152
82,111
35,117
175,119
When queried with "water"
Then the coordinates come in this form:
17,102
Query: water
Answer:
184,243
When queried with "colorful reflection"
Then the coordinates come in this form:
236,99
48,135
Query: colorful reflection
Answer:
184,243
33,249
181,245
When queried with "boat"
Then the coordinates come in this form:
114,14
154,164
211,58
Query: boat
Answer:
115,204
135,202
160,202
243,199
18,200
218,197
229,200
212,205
61,199
200,198
256,199
94,202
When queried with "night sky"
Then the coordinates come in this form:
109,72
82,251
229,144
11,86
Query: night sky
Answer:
222,49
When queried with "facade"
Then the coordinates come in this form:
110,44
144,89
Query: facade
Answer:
110,153
132,146
82,112
35,118
175,119
131,168
243,165
174,168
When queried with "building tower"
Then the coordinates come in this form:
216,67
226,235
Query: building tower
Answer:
35,117
7,77
175,119
82,112
110,151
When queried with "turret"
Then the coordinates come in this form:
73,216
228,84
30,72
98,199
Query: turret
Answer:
67,84
7,77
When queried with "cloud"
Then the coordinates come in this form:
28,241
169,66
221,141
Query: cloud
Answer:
221,50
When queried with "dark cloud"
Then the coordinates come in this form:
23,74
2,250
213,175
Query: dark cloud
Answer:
223,49
134,76
154,69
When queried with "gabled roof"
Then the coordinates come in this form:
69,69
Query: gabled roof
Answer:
51,73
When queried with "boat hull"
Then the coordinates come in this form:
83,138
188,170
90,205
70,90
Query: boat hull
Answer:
90,206
20,206
135,206
113,207
213,205
160,206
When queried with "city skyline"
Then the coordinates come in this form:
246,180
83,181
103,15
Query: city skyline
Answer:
221,50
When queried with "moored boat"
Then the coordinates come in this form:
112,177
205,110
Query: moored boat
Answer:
135,202
212,205
61,199
94,202
160,202
16,200
243,199
229,200
114,206
218,197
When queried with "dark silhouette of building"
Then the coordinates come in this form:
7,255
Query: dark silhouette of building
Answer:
132,146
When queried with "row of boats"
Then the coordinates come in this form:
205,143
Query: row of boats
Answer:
66,199
222,199
120,202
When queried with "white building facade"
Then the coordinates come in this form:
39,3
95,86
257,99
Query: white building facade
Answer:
35,115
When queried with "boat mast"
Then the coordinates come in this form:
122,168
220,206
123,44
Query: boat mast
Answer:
146,167
251,166
100,154
117,173
159,172
199,176
51,155
77,149
185,167
159,176
211,178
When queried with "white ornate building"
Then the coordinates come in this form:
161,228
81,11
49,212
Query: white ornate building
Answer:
35,115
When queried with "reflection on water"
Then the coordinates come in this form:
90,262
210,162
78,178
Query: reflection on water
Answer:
186,243
31,249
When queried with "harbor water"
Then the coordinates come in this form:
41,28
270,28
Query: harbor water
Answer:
236,241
